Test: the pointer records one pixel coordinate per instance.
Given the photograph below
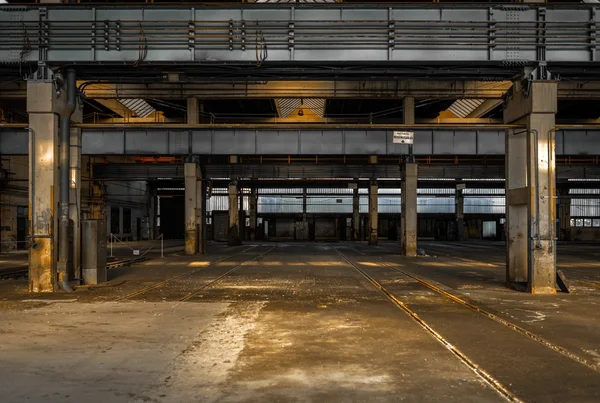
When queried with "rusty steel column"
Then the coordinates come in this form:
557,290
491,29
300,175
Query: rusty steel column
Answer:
373,213
252,209
531,188
408,210
233,232
44,106
191,174
355,215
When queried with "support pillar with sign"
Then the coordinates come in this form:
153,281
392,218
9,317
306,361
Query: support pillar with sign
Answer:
530,187
408,207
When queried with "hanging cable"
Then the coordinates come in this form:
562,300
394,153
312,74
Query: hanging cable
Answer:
261,46
142,49
25,49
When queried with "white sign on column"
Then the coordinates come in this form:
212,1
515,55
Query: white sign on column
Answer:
403,137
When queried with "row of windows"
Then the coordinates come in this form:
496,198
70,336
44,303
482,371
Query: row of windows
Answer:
585,222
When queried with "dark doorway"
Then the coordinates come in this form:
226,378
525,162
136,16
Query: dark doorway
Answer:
115,220
172,217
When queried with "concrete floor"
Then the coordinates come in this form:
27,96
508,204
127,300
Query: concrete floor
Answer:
297,322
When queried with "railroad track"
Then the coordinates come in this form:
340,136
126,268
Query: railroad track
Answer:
20,271
125,262
485,376
189,295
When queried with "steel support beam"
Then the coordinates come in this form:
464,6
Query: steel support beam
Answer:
531,189
130,36
307,140
295,89
396,89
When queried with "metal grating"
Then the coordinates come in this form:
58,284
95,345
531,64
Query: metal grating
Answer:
285,106
463,107
141,108
317,105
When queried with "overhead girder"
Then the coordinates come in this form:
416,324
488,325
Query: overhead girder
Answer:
419,89
291,40
280,175
323,140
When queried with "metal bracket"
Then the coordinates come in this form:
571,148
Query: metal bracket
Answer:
44,73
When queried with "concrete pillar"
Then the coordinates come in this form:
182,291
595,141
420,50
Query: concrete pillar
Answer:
193,112
408,110
564,215
43,106
192,176
408,210
373,213
530,188
252,210
355,215
460,216
233,233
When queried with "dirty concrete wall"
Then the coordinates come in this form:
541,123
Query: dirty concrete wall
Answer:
585,234
284,228
325,228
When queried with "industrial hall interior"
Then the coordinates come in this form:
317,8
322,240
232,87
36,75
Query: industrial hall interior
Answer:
299,201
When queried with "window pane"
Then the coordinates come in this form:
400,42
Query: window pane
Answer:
587,222
579,222
572,222
596,222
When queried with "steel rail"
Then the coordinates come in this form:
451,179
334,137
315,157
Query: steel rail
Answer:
168,280
205,286
481,373
546,343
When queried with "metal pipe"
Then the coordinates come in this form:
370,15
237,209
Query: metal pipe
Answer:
64,166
